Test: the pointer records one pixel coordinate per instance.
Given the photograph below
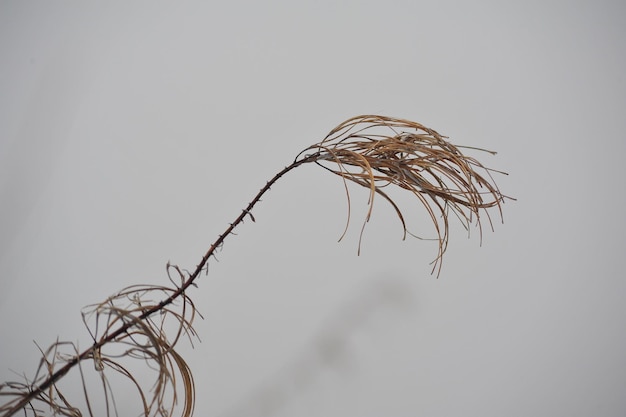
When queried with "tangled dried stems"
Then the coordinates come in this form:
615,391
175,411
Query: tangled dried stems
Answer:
375,152
122,332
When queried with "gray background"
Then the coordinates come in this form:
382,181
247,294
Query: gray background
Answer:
132,133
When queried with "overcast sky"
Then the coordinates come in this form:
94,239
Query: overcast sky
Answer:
131,134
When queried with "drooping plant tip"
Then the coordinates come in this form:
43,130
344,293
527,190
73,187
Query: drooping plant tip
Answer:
379,153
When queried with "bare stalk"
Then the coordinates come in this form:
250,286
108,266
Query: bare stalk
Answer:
88,353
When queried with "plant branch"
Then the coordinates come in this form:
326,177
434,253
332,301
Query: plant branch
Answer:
127,325
381,154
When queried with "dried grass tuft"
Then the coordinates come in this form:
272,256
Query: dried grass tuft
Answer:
377,152
122,333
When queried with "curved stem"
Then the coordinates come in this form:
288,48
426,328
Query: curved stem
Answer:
53,378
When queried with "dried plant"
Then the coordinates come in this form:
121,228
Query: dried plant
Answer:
375,152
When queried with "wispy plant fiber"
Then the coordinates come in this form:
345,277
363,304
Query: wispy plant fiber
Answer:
379,152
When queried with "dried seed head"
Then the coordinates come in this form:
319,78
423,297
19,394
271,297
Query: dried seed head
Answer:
378,151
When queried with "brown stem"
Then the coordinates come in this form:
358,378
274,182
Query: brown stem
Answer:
52,379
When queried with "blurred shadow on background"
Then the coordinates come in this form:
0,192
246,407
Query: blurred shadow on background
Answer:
331,348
